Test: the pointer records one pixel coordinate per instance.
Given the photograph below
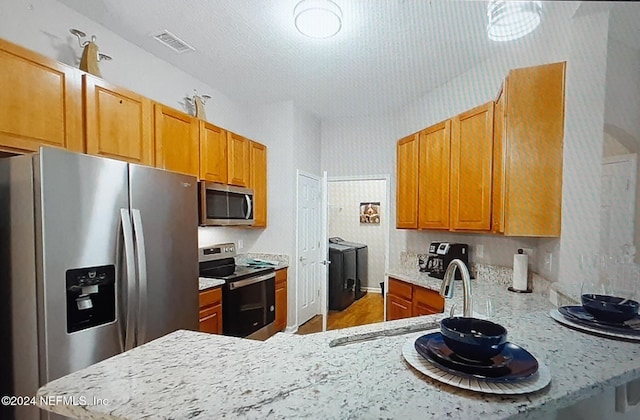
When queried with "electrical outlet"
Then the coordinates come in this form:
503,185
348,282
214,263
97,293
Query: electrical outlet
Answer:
548,261
240,244
479,251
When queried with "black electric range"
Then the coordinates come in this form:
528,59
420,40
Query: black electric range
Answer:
248,295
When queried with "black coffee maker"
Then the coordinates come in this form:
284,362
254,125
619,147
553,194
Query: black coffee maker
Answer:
440,255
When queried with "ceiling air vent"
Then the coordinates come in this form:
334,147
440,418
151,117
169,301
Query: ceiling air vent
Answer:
170,40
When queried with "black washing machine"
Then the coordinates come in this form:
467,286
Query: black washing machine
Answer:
362,264
342,276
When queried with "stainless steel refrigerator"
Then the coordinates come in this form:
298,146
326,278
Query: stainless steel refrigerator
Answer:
97,256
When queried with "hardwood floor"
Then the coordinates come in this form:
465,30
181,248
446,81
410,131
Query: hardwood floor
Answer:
367,310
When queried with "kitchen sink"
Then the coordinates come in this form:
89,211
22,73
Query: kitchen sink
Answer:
359,338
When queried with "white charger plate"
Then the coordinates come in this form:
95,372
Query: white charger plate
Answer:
535,382
555,314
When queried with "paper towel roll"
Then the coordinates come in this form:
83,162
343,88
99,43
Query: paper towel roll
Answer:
520,262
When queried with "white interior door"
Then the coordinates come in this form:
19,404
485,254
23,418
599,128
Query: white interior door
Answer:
324,268
310,247
617,207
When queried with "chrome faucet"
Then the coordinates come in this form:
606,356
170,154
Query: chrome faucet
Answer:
446,290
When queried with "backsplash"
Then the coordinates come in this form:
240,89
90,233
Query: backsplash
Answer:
483,272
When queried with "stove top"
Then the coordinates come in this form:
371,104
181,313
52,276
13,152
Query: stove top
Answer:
240,272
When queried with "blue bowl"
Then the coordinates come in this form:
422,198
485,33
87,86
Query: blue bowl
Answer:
472,338
610,308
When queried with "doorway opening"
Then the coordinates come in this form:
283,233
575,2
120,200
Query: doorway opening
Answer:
358,231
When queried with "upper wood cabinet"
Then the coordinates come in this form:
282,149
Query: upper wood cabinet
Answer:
497,199
407,183
176,140
433,176
530,132
471,164
40,102
237,160
118,122
213,153
258,182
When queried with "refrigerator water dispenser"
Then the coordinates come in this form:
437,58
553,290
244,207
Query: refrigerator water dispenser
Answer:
91,297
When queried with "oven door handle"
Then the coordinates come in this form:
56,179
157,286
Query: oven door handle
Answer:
253,280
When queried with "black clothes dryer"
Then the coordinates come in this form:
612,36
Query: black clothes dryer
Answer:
362,264
342,276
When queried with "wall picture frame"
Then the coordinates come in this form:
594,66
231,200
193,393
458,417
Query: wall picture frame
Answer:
370,212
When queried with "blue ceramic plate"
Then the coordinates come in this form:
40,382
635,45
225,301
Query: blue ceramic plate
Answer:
579,315
512,364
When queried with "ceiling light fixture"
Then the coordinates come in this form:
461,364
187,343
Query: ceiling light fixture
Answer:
318,18
509,19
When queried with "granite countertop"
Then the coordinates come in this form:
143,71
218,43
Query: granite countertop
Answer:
351,373
207,283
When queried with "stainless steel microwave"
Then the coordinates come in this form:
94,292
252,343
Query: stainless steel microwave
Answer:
225,205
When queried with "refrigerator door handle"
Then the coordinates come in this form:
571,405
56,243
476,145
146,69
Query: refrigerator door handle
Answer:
142,276
127,233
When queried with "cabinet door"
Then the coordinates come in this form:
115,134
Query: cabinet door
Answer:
400,289
211,320
119,122
426,302
433,184
210,297
471,160
258,181
237,160
534,139
499,153
397,308
281,300
213,153
176,138
40,102
407,183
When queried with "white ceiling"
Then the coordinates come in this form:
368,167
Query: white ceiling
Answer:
388,53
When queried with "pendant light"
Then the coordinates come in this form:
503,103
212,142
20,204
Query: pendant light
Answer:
509,20
318,18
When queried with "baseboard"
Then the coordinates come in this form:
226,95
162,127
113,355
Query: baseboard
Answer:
291,330
373,289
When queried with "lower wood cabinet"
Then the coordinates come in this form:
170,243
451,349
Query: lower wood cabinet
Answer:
211,311
281,299
405,300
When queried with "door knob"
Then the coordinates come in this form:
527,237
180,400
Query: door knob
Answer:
325,262
303,259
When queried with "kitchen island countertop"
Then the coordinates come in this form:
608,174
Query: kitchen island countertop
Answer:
351,373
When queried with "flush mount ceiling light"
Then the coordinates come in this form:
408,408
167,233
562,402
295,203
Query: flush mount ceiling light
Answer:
509,20
317,18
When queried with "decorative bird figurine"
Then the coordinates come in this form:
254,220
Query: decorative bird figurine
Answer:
91,54
198,102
